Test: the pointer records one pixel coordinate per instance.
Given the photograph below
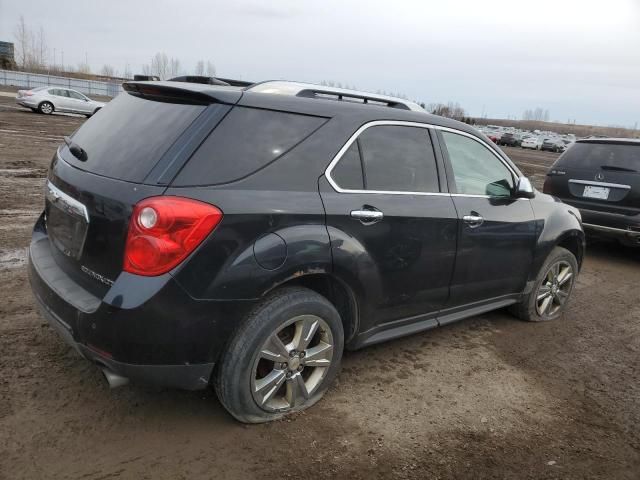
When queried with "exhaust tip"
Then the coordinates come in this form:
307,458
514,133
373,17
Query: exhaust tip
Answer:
114,379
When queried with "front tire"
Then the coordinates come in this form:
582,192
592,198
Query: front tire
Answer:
552,290
283,358
46,108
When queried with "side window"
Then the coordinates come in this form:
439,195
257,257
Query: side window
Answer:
398,159
245,141
476,170
54,91
75,95
348,172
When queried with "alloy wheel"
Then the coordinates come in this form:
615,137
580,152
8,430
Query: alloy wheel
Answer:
554,289
292,363
46,108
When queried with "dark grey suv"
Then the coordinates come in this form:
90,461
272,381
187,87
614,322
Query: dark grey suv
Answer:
601,177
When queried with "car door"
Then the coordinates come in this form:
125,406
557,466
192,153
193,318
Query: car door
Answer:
62,102
78,102
392,224
497,232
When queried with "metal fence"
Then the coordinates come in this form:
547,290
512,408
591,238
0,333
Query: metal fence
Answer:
33,80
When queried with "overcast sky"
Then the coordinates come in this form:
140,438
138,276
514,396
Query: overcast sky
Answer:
580,59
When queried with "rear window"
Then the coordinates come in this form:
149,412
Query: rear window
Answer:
129,135
593,156
245,141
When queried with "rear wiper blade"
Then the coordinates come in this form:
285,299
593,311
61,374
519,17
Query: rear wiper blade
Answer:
76,150
618,169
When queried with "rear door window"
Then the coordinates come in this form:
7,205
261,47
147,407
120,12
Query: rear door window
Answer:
130,135
398,159
246,140
595,156
348,172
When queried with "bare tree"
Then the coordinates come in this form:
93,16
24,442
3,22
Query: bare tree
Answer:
107,71
200,68
160,65
450,110
174,67
22,35
211,69
127,71
84,67
146,70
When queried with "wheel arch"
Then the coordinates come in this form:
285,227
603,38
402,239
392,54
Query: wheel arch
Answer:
334,289
49,102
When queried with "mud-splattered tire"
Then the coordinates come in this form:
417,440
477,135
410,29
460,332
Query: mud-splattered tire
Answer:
552,290
283,358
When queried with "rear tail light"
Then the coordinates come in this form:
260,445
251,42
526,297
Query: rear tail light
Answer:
163,231
28,93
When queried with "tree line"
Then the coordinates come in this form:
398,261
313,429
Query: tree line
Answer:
33,54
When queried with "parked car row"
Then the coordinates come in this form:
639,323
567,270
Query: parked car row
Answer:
536,140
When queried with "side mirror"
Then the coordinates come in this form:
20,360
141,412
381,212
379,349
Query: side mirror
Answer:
524,189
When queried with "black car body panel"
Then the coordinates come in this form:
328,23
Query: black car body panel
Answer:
284,222
601,177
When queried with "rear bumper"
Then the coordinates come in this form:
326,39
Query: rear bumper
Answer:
187,377
622,227
147,329
26,103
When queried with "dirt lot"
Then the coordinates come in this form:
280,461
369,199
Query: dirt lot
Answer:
490,397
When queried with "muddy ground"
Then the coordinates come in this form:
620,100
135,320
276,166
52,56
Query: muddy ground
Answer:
490,397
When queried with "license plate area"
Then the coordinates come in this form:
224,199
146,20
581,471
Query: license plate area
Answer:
67,222
600,193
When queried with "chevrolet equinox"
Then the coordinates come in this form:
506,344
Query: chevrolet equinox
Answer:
198,235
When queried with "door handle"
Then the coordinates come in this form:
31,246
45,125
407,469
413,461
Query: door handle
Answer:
367,216
473,220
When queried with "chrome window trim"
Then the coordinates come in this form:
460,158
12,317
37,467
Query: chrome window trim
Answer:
600,184
55,195
401,123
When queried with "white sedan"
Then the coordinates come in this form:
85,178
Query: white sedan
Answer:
57,99
534,143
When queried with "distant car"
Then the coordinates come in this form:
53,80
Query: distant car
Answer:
509,139
492,137
57,99
552,145
533,143
601,177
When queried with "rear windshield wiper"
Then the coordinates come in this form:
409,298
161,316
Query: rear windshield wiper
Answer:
617,169
76,150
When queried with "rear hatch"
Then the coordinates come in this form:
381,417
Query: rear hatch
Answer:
131,149
601,176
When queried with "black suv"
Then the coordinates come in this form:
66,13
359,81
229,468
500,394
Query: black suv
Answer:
197,234
601,177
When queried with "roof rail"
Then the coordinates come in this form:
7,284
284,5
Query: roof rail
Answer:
310,90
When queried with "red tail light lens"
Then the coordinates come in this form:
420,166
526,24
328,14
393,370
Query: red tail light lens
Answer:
163,231
28,93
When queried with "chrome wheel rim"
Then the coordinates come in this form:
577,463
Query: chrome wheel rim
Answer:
292,363
46,108
555,288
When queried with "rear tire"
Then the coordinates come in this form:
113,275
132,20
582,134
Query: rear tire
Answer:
552,290
46,108
257,381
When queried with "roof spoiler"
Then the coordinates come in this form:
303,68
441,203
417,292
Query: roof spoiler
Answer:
169,92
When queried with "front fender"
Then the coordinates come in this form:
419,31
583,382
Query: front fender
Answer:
558,224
